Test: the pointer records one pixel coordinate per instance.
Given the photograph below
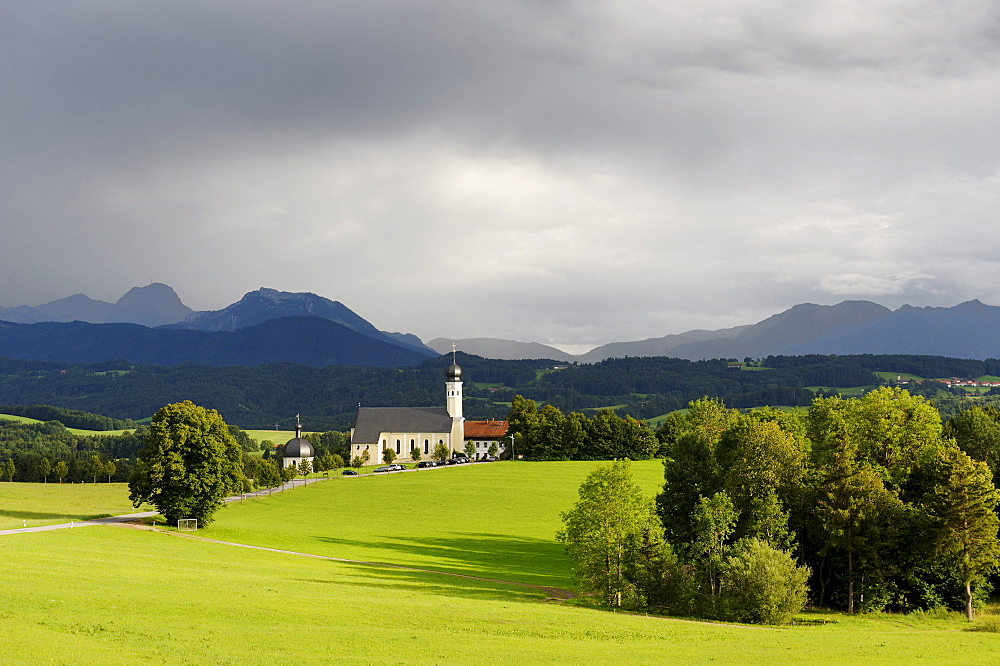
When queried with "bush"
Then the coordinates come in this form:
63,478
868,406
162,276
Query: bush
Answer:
761,584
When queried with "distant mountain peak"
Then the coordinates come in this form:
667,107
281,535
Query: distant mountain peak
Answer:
153,305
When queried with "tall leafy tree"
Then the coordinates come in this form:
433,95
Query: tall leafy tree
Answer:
189,464
759,459
966,524
714,521
861,518
606,530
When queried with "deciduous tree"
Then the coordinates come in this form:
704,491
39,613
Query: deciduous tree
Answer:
189,464
606,529
964,510
441,452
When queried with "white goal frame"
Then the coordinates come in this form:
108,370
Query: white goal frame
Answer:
187,524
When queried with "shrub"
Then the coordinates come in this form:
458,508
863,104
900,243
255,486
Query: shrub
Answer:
761,584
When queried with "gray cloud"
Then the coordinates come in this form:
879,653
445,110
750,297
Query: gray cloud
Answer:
557,171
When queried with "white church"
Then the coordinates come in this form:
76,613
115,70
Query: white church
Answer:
403,429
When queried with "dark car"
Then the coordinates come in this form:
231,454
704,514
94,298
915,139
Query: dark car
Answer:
453,461
487,459
426,463
349,472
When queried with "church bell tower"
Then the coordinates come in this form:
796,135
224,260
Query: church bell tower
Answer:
453,389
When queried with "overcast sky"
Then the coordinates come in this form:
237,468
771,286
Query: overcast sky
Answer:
563,172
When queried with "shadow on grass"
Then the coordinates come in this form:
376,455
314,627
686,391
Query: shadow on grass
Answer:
36,515
499,556
421,582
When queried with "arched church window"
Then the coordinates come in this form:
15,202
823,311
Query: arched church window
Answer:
427,446
397,446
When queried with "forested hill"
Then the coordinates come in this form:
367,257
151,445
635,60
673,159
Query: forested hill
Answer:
328,397
306,340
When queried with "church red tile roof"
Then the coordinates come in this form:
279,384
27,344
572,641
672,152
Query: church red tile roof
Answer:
485,429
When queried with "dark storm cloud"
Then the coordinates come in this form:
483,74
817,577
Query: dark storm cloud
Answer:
591,171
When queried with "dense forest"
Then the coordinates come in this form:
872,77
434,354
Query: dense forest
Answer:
327,398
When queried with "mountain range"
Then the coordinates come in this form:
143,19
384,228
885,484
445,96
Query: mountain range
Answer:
969,330
151,325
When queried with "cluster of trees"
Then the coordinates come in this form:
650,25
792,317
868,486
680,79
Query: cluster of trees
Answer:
270,472
71,418
548,434
35,450
872,502
616,540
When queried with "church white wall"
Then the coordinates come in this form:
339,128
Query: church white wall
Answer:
425,441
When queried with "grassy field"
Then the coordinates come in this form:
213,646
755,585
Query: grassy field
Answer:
116,595
275,436
468,519
33,504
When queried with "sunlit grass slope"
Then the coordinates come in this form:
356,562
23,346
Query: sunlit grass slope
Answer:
488,519
32,504
114,595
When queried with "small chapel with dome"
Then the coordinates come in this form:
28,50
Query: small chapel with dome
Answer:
298,448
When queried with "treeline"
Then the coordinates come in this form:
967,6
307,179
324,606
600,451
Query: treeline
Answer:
71,418
41,452
922,366
33,451
257,397
548,434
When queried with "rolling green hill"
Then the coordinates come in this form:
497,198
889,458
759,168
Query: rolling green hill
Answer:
115,595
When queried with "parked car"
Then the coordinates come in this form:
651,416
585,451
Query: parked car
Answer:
349,472
396,467
487,459
383,468
452,461
426,463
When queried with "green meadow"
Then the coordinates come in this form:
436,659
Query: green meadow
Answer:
119,595
34,504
